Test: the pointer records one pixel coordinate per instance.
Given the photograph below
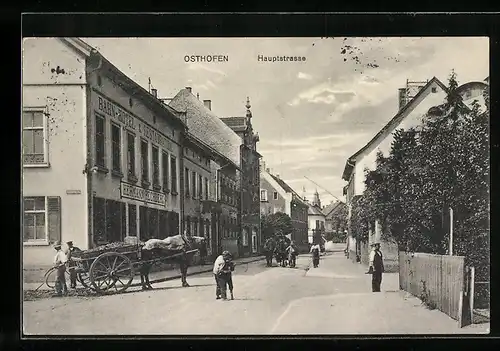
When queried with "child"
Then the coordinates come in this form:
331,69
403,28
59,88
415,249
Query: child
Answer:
225,276
315,250
292,254
60,260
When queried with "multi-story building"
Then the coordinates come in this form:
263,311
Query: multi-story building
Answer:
277,196
414,102
101,155
317,220
223,203
336,221
249,183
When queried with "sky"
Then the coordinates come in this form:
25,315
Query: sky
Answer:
310,115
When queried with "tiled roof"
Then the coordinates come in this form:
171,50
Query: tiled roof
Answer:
207,127
314,210
329,208
288,189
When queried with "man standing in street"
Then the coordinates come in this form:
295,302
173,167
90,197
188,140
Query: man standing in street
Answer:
376,267
315,251
71,263
219,264
60,260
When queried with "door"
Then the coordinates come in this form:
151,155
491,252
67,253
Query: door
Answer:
254,240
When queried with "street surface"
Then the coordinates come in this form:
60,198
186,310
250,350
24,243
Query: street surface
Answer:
334,298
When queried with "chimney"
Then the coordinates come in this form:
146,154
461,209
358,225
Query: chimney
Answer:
278,176
268,170
154,92
208,104
198,96
188,89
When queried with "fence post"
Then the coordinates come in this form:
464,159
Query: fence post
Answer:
451,232
471,292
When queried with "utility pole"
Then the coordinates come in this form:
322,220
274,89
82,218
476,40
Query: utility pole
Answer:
323,189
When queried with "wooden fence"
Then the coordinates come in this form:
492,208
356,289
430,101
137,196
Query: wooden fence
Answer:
436,278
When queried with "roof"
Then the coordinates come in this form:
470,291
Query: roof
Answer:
127,83
287,188
207,127
237,124
331,207
396,119
315,211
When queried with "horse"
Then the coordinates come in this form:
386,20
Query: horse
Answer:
280,252
269,247
184,260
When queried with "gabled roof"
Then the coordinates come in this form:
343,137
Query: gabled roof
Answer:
315,211
206,126
331,207
351,161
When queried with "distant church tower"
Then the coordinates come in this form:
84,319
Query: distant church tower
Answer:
316,202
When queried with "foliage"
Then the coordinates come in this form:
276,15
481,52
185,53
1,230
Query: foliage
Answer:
278,223
338,221
441,164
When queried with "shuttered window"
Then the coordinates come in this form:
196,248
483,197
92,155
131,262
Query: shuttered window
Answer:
100,140
200,187
173,172
163,226
143,223
165,168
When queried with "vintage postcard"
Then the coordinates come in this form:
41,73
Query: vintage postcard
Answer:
255,186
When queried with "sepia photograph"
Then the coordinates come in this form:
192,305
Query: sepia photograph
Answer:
255,186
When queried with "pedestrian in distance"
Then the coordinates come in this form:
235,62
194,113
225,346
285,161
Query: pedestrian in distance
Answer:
292,254
60,261
376,267
315,251
72,263
223,266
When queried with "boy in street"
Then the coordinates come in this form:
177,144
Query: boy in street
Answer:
223,266
60,260
315,250
72,264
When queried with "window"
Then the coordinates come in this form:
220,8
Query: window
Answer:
34,146
186,180
206,189
173,172
132,220
200,187
275,195
131,155
195,227
100,141
164,161
244,237
434,89
35,219
187,226
156,165
193,184
145,161
116,152
263,195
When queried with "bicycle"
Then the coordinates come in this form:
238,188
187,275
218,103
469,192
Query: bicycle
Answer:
50,276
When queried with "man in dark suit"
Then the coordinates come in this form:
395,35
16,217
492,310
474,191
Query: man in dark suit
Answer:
71,263
376,267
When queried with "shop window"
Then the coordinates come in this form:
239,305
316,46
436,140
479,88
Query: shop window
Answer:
164,161
145,161
143,223
99,217
195,227
115,213
173,172
116,152
100,141
34,137
131,156
132,219
153,223
163,225
187,225
155,154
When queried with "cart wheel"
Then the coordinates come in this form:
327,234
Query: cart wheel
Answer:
111,272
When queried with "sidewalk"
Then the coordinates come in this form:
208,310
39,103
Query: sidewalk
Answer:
354,309
165,275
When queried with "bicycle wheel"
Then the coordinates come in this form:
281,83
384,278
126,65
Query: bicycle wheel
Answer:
50,278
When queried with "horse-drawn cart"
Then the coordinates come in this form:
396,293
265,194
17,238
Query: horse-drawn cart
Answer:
111,268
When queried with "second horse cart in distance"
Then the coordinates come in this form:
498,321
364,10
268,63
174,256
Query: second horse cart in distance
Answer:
111,268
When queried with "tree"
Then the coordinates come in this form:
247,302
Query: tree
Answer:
276,224
442,164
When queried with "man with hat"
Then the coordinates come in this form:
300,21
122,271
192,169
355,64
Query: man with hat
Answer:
223,266
71,263
60,260
376,267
